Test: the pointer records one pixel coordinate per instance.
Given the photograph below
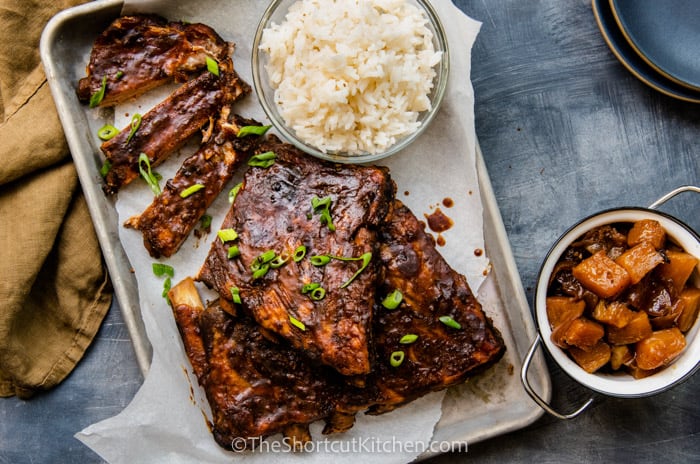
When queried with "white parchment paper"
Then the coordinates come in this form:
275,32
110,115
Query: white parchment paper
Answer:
166,421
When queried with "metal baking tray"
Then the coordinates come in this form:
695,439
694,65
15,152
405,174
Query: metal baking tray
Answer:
491,404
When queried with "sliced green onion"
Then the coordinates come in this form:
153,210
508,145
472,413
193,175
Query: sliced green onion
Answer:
296,323
106,166
148,175
299,253
317,293
393,299
97,97
160,270
260,271
263,160
252,130
234,192
236,295
227,235
320,260
212,65
266,257
107,131
190,190
396,358
279,260
366,258
408,339
322,206
449,322
135,124
205,221
306,288
167,284
119,75
233,252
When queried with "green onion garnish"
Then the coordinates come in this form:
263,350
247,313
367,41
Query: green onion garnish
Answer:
317,293
263,160
393,299
190,190
322,206
266,257
205,221
160,270
396,358
279,260
106,166
252,130
236,295
366,258
148,175
234,192
212,65
297,323
96,98
227,235
449,322
306,288
260,271
299,253
233,252
135,124
408,339
119,75
107,131
167,284
320,260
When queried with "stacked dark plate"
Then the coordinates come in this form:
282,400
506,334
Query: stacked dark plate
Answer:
657,41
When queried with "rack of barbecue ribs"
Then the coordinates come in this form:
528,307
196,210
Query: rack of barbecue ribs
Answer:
259,381
167,222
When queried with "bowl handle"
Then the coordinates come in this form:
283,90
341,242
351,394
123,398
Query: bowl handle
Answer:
528,388
673,193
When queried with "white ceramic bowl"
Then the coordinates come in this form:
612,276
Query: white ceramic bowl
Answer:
276,12
624,386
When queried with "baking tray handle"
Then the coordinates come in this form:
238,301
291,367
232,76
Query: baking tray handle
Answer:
530,391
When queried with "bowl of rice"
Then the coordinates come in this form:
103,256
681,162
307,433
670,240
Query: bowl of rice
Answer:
350,81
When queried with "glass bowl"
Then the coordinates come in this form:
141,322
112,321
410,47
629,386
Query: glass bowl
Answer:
276,13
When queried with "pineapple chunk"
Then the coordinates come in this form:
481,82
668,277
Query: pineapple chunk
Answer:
583,333
638,329
620,355
601,275
614,313
647,230
562,309
659,349
690,302
593,359
639,260
679,268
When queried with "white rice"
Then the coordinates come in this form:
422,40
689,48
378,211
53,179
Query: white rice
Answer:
351,75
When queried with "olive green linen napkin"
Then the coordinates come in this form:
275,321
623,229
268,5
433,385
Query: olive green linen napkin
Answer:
54,290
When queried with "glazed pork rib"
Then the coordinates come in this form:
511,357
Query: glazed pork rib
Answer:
273,215
172,215
255,386
140,52
168,125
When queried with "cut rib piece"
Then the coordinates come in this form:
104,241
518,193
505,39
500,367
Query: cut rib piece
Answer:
167,222
168,125
138,53
255,386
273,212
441,355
